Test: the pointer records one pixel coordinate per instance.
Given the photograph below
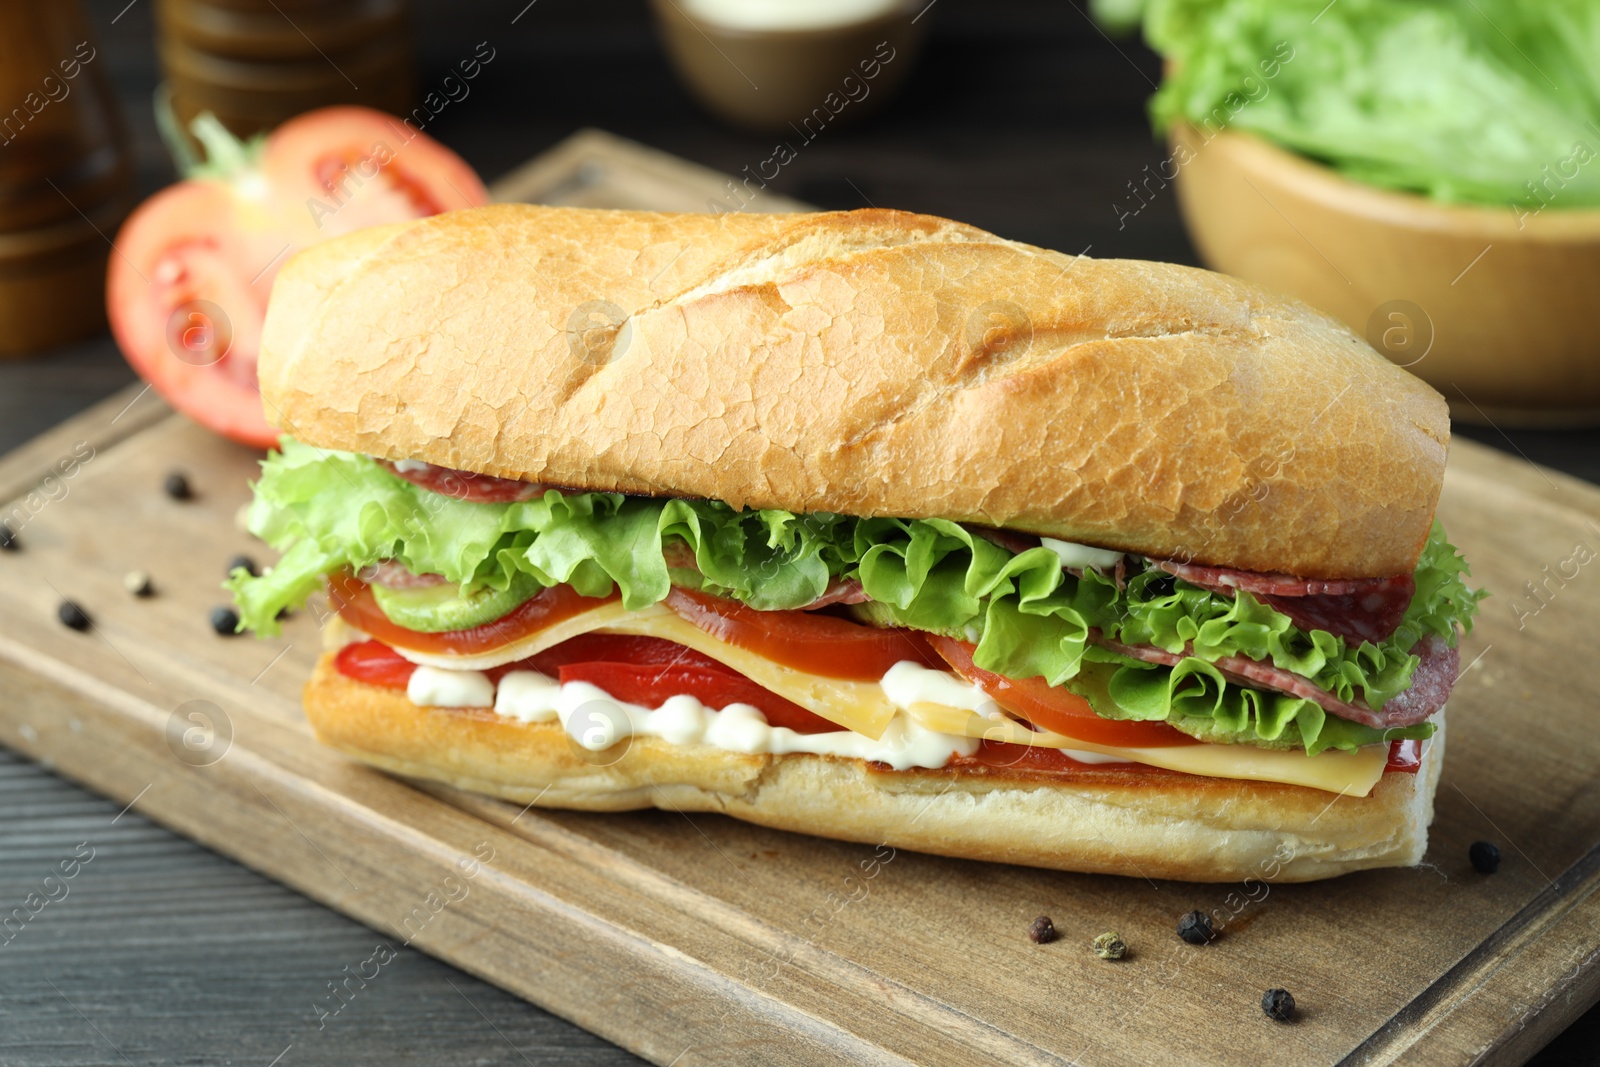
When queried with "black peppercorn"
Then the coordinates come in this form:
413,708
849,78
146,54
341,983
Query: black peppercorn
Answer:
1043,931
177,486
1278,1004
8,539
1485,857
1195,928
72,616
245,562
225,620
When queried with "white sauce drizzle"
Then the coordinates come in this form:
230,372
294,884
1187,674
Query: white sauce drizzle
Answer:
1081,557
595,720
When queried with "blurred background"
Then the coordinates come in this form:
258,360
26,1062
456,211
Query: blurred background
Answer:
1029,118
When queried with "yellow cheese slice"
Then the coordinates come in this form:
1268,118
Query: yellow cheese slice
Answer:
1347,773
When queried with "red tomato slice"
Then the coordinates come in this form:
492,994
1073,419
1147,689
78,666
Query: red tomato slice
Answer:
186,290
351,598
804,640
341,169
375,663
465,485
619,648
1054,708
1405,757
651,684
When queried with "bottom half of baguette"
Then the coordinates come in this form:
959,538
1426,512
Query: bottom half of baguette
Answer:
1109,819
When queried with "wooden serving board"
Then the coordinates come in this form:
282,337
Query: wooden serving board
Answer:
703,940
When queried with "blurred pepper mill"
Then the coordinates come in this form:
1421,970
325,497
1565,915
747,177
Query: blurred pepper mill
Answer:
66,176
257,63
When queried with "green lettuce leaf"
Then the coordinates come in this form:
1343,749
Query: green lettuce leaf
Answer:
1028,617
1482,101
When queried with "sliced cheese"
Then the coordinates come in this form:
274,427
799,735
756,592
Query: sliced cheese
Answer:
1347,773
534,643
858,706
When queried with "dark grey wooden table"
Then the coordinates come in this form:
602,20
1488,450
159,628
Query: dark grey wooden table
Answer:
1020,118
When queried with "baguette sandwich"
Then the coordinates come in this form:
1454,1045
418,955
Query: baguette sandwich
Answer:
869,525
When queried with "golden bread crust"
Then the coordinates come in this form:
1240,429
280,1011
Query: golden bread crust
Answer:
867,363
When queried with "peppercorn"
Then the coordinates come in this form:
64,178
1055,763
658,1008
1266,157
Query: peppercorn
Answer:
1278,1004
72,616
1043,931
177,486
1485,857
138,583
1110,946
8,539
1195,928
245,563
225,620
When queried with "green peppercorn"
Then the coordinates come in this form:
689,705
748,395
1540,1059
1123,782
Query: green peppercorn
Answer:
1110,946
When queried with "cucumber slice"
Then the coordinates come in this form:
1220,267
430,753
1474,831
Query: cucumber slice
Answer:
434,609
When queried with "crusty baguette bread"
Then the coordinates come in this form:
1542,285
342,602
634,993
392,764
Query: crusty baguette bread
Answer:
1166,826
868,363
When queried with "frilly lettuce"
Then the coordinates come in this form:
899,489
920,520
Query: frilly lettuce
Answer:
329,510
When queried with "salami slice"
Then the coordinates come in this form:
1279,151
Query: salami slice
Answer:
839,591
1357,609
1430,685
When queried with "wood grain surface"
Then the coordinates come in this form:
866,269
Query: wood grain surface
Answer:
1023,120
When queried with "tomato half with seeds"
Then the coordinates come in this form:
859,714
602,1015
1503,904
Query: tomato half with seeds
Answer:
187,285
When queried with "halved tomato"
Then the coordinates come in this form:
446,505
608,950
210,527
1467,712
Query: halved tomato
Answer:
1054,708
341,169
187,287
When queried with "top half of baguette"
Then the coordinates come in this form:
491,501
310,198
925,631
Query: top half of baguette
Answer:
867,363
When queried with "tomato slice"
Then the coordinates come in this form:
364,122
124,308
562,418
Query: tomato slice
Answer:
353,600
375,663
341,169
806,641
186,291
1405,757
465,485
1054,708
617,648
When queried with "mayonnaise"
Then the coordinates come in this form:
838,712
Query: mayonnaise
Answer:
1082,557
595,720
439,688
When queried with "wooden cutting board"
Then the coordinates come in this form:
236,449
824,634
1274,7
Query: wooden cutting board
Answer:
703,940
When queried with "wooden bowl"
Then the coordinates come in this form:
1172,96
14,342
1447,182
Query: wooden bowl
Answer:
1494,310
793,81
